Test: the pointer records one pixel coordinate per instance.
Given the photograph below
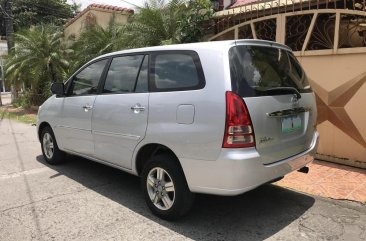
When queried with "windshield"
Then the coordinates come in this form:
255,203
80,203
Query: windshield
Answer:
258,70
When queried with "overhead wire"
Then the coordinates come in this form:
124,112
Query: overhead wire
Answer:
130,3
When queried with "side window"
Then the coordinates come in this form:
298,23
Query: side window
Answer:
176,70
122,74
86,82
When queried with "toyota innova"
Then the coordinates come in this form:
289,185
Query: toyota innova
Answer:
216,117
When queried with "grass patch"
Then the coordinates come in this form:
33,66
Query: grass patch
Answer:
18,114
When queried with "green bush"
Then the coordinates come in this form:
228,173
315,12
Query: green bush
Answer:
29,99
22,101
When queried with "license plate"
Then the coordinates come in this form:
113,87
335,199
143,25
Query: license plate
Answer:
291,123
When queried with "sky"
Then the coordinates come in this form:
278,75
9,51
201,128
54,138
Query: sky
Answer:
119,3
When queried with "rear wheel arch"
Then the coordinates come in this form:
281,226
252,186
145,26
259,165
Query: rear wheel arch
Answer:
166,194
149,150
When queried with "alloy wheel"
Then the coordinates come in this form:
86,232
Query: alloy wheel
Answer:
48,146
160,188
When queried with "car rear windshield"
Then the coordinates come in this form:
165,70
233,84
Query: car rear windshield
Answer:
261,71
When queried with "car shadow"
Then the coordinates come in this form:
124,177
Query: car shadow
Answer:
255,215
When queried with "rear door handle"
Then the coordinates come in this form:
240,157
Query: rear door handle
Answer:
137,108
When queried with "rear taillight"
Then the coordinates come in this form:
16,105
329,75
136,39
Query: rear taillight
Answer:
238,128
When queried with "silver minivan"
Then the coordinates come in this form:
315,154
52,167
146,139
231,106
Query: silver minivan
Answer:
216,117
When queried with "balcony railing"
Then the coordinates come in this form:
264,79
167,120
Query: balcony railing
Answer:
310,32
231,17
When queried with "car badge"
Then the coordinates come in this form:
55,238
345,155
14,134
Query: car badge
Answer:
295,101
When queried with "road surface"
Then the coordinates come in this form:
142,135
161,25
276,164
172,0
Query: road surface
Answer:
82,200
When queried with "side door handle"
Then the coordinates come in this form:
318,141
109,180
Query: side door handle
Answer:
137,108
87,107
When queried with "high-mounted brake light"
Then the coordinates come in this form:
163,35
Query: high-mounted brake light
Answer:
239,131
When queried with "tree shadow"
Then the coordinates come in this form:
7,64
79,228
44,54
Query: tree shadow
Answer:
255,215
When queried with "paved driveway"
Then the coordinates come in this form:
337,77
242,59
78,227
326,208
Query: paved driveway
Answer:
82,200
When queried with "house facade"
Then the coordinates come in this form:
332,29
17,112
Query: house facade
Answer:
329,39
95,14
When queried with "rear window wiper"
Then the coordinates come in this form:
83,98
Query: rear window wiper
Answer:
282,90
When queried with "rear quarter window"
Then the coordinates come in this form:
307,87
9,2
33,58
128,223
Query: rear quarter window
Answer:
176,71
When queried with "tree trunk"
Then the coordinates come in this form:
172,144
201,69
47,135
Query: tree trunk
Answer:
1,90
2,83
9,24
52,72
9,29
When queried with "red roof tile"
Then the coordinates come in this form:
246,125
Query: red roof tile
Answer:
99,6
110,7
239,3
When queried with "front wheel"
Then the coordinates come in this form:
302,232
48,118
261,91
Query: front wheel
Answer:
165,188
50,150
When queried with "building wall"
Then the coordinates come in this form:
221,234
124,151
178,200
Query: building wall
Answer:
101,16
339,82
331,46
3,48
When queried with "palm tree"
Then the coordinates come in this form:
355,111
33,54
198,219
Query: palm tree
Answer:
156,23
95,41
161,22
39,58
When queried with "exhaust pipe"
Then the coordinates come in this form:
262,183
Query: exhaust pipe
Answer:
304,170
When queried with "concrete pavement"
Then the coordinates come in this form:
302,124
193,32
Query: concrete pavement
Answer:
83,200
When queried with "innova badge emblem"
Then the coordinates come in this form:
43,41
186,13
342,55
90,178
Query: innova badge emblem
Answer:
265,139
295,101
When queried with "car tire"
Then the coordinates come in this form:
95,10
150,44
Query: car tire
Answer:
50,150
165,188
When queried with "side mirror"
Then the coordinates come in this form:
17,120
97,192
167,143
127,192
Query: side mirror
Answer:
58,89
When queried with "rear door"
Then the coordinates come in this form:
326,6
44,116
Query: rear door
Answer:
121,110
279,98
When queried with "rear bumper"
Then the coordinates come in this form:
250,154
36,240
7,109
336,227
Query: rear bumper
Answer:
236,172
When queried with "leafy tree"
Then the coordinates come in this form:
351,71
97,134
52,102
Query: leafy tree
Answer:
39,58
75,7
196,15
32,12
8,22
